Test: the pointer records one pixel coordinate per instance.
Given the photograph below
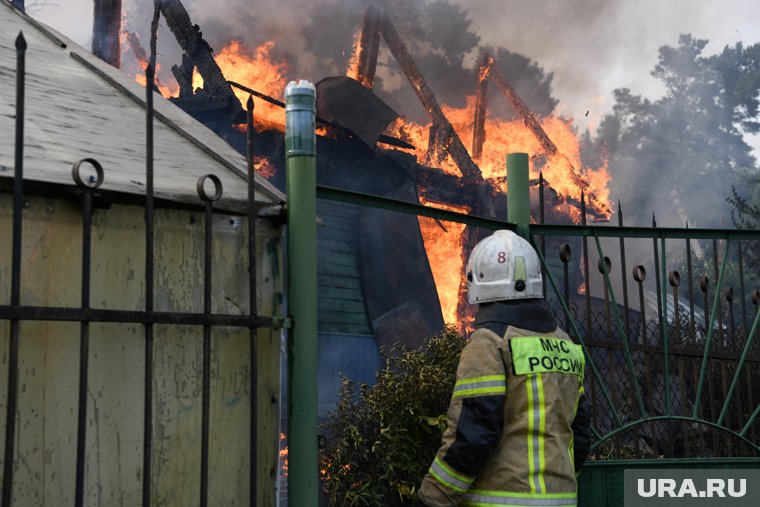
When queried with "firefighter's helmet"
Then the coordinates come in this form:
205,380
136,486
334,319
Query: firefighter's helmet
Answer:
503,266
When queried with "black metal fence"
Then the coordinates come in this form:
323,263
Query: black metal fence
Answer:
18,314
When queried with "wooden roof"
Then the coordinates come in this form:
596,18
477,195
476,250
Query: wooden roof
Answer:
78,106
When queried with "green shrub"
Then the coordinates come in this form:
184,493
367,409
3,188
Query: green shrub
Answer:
381,442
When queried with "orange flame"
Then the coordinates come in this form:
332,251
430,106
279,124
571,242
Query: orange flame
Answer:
142,78
283,456
502,137
443,244
352,69
257,70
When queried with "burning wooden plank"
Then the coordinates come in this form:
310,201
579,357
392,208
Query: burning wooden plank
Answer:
481,102
184,75
446,133
194,45
364,60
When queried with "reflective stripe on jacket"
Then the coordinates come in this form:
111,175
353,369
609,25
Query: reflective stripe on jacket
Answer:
509,439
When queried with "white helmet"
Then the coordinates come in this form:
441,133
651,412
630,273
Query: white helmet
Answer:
503,266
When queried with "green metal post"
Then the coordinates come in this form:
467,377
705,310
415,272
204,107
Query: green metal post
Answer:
518,193
300,153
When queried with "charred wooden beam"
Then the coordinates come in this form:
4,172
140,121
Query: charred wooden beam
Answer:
191,41
597,206
364,62
436,152
106,31
481,104
438,187
455,147
184,75
140,55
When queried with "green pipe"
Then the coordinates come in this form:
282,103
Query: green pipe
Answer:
518,193
301,176
739,368
713,315
628,357
665,336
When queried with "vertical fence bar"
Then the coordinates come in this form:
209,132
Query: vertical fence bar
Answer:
690,277
300,153
252,302
639,275
605,264
586,277
18,205
741,288
624,275
657,284
84,330
732,341
704,286
542,220
565,255
674,279
720,304
150,74
716,302
208,253
665,334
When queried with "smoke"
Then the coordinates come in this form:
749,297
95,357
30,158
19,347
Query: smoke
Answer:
571,55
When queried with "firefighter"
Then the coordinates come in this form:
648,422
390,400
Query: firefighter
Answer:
518,419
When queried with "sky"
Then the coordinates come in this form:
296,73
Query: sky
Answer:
591,46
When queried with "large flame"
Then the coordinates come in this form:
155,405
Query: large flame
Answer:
502,137
255,69
443,245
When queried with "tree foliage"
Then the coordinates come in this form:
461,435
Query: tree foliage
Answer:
381,442
686,149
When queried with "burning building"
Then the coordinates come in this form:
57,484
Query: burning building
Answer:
384,277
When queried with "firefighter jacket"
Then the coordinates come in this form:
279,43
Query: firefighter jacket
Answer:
518,420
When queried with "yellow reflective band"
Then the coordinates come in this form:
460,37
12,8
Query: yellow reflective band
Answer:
513,499
541,432
538,354
531,464
449,477
480,386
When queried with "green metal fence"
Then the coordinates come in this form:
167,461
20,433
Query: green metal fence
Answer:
670,387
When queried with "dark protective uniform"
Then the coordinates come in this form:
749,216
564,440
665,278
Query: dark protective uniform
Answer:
518,420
